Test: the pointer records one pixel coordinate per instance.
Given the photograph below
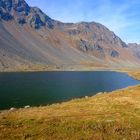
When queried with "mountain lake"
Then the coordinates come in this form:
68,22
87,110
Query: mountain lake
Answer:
44,88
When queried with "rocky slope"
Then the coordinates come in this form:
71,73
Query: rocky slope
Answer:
135,48
30,40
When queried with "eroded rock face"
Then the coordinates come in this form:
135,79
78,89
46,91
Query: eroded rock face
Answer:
53,42
114,54
5,15
39,19
138,54
21,6
35,21
6,4
9,7
23,14
134,45
74,32
86,46
135,48
5,8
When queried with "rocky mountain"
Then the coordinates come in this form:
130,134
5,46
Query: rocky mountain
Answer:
31,40
135,48
133,45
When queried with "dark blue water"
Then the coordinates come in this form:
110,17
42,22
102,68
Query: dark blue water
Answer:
42,88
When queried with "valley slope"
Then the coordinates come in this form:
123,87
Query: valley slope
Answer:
30,40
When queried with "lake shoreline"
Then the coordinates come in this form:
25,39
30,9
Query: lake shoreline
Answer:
130,73
110,115
111,111
133,72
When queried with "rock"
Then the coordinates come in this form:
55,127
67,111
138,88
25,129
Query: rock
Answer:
21,6
99,93
6,4
98,47
28,106
22,13
21,21
109,121
44,19
5,15
36,22
12,109
138,54
73,32
114,53
134,45
85,46
86,97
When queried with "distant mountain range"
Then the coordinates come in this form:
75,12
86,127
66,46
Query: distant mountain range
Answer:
30,40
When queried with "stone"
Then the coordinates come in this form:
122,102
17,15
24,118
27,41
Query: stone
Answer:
27,106
12,109
86,97
99,93
114,54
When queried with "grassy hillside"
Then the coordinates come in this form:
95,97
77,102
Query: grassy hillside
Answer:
106,116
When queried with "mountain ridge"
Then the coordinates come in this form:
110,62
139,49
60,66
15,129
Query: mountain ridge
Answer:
36,40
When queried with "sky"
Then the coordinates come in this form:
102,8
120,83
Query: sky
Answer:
120,16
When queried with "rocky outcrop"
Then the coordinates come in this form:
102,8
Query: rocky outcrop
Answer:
114,53
23,14
86,46
135,48
133,45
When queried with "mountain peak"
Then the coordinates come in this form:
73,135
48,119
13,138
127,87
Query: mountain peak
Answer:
80,43
10,8
22,13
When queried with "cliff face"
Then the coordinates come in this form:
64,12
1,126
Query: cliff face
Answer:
29,38
135,48
23,14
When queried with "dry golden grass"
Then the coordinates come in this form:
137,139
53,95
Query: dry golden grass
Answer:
135,74
106,116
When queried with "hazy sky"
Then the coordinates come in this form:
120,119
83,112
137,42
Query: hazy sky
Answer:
120,16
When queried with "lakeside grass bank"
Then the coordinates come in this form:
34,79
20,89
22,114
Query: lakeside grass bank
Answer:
108,116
